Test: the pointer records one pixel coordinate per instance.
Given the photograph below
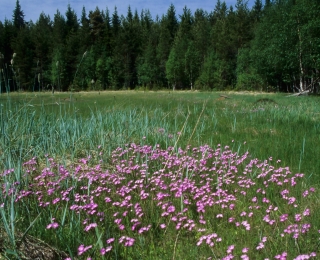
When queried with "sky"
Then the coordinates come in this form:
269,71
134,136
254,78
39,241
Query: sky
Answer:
33,8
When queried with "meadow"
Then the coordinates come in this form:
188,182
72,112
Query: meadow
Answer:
159,175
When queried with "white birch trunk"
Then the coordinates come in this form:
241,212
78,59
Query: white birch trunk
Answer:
300,61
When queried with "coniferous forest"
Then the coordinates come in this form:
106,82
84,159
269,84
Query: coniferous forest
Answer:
273,46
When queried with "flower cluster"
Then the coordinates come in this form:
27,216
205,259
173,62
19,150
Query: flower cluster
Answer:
199,192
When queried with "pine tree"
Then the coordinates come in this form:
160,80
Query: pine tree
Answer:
243,25
84,31
18,16
96,25
7,38
42,40
131,47
171,22
107,33
59,29
163,48
147,62
222,42
179,67
72,24
116,61
24,61
200,32
256,11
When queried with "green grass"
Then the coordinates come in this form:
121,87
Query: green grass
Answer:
68,127
38,124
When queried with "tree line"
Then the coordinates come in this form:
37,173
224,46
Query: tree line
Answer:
273,46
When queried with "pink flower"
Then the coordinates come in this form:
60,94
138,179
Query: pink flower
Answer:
260,246
171,209
305,193
306,212
53,225
163,226
108,248
82,249
230,249
102,251
110,240
92,225
283,217
127,241
245,250
297,217
231,220
291,200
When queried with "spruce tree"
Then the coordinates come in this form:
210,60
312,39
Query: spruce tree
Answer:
18,16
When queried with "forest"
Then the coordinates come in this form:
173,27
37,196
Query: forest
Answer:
273,46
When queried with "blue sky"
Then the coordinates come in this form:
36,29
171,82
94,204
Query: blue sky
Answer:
33,8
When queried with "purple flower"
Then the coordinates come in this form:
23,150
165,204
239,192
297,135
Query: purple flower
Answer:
245,250
92,225
297,217
53,225
230,249
102,251
306,212
82,249
283,217
171,209
163,226
127,241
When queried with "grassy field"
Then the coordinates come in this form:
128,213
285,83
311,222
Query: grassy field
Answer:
162,175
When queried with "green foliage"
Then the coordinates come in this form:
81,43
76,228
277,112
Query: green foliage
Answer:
286,44
210,77
206,50
57,69
18,16
248,77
